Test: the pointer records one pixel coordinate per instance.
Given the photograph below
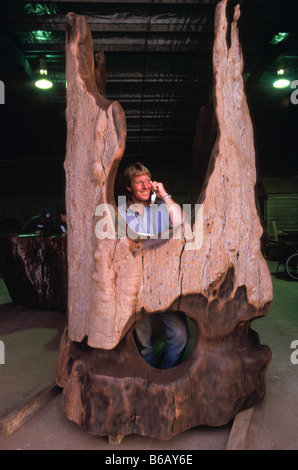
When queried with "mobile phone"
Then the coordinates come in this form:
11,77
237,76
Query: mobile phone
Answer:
153,196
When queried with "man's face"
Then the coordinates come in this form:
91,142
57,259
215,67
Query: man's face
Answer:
140,189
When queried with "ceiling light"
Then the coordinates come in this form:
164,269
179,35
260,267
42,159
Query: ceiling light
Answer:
279,37
281,83
43,82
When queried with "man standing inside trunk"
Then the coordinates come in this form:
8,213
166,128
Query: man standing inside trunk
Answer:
145,216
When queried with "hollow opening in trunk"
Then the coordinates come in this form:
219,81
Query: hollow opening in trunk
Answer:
157,343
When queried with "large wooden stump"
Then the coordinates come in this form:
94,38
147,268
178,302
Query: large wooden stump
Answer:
34,268
216,275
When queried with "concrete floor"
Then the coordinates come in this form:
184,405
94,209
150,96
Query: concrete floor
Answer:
31,339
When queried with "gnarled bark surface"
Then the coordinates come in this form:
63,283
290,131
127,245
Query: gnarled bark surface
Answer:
218,278
34,268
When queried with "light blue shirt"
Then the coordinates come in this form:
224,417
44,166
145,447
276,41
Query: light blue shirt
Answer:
154,221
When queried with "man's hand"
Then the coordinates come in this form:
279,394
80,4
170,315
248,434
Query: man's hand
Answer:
159,189
175,212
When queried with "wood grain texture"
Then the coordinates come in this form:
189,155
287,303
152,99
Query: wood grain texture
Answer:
34,269
219,278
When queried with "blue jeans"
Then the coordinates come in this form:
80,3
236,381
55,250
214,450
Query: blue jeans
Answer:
175,325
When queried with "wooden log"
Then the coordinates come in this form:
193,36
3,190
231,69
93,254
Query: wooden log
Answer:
240,430
216,275
28,408
34,269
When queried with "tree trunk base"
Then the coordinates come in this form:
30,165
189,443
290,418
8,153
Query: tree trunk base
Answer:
116,393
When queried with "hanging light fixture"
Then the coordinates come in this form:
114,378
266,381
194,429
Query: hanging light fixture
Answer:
279,37
43,82
281,81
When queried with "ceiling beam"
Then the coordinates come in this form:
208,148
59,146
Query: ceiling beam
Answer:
108,24
125,46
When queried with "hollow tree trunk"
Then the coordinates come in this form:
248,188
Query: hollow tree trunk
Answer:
216,276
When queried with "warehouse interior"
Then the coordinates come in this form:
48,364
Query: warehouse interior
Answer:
159,68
